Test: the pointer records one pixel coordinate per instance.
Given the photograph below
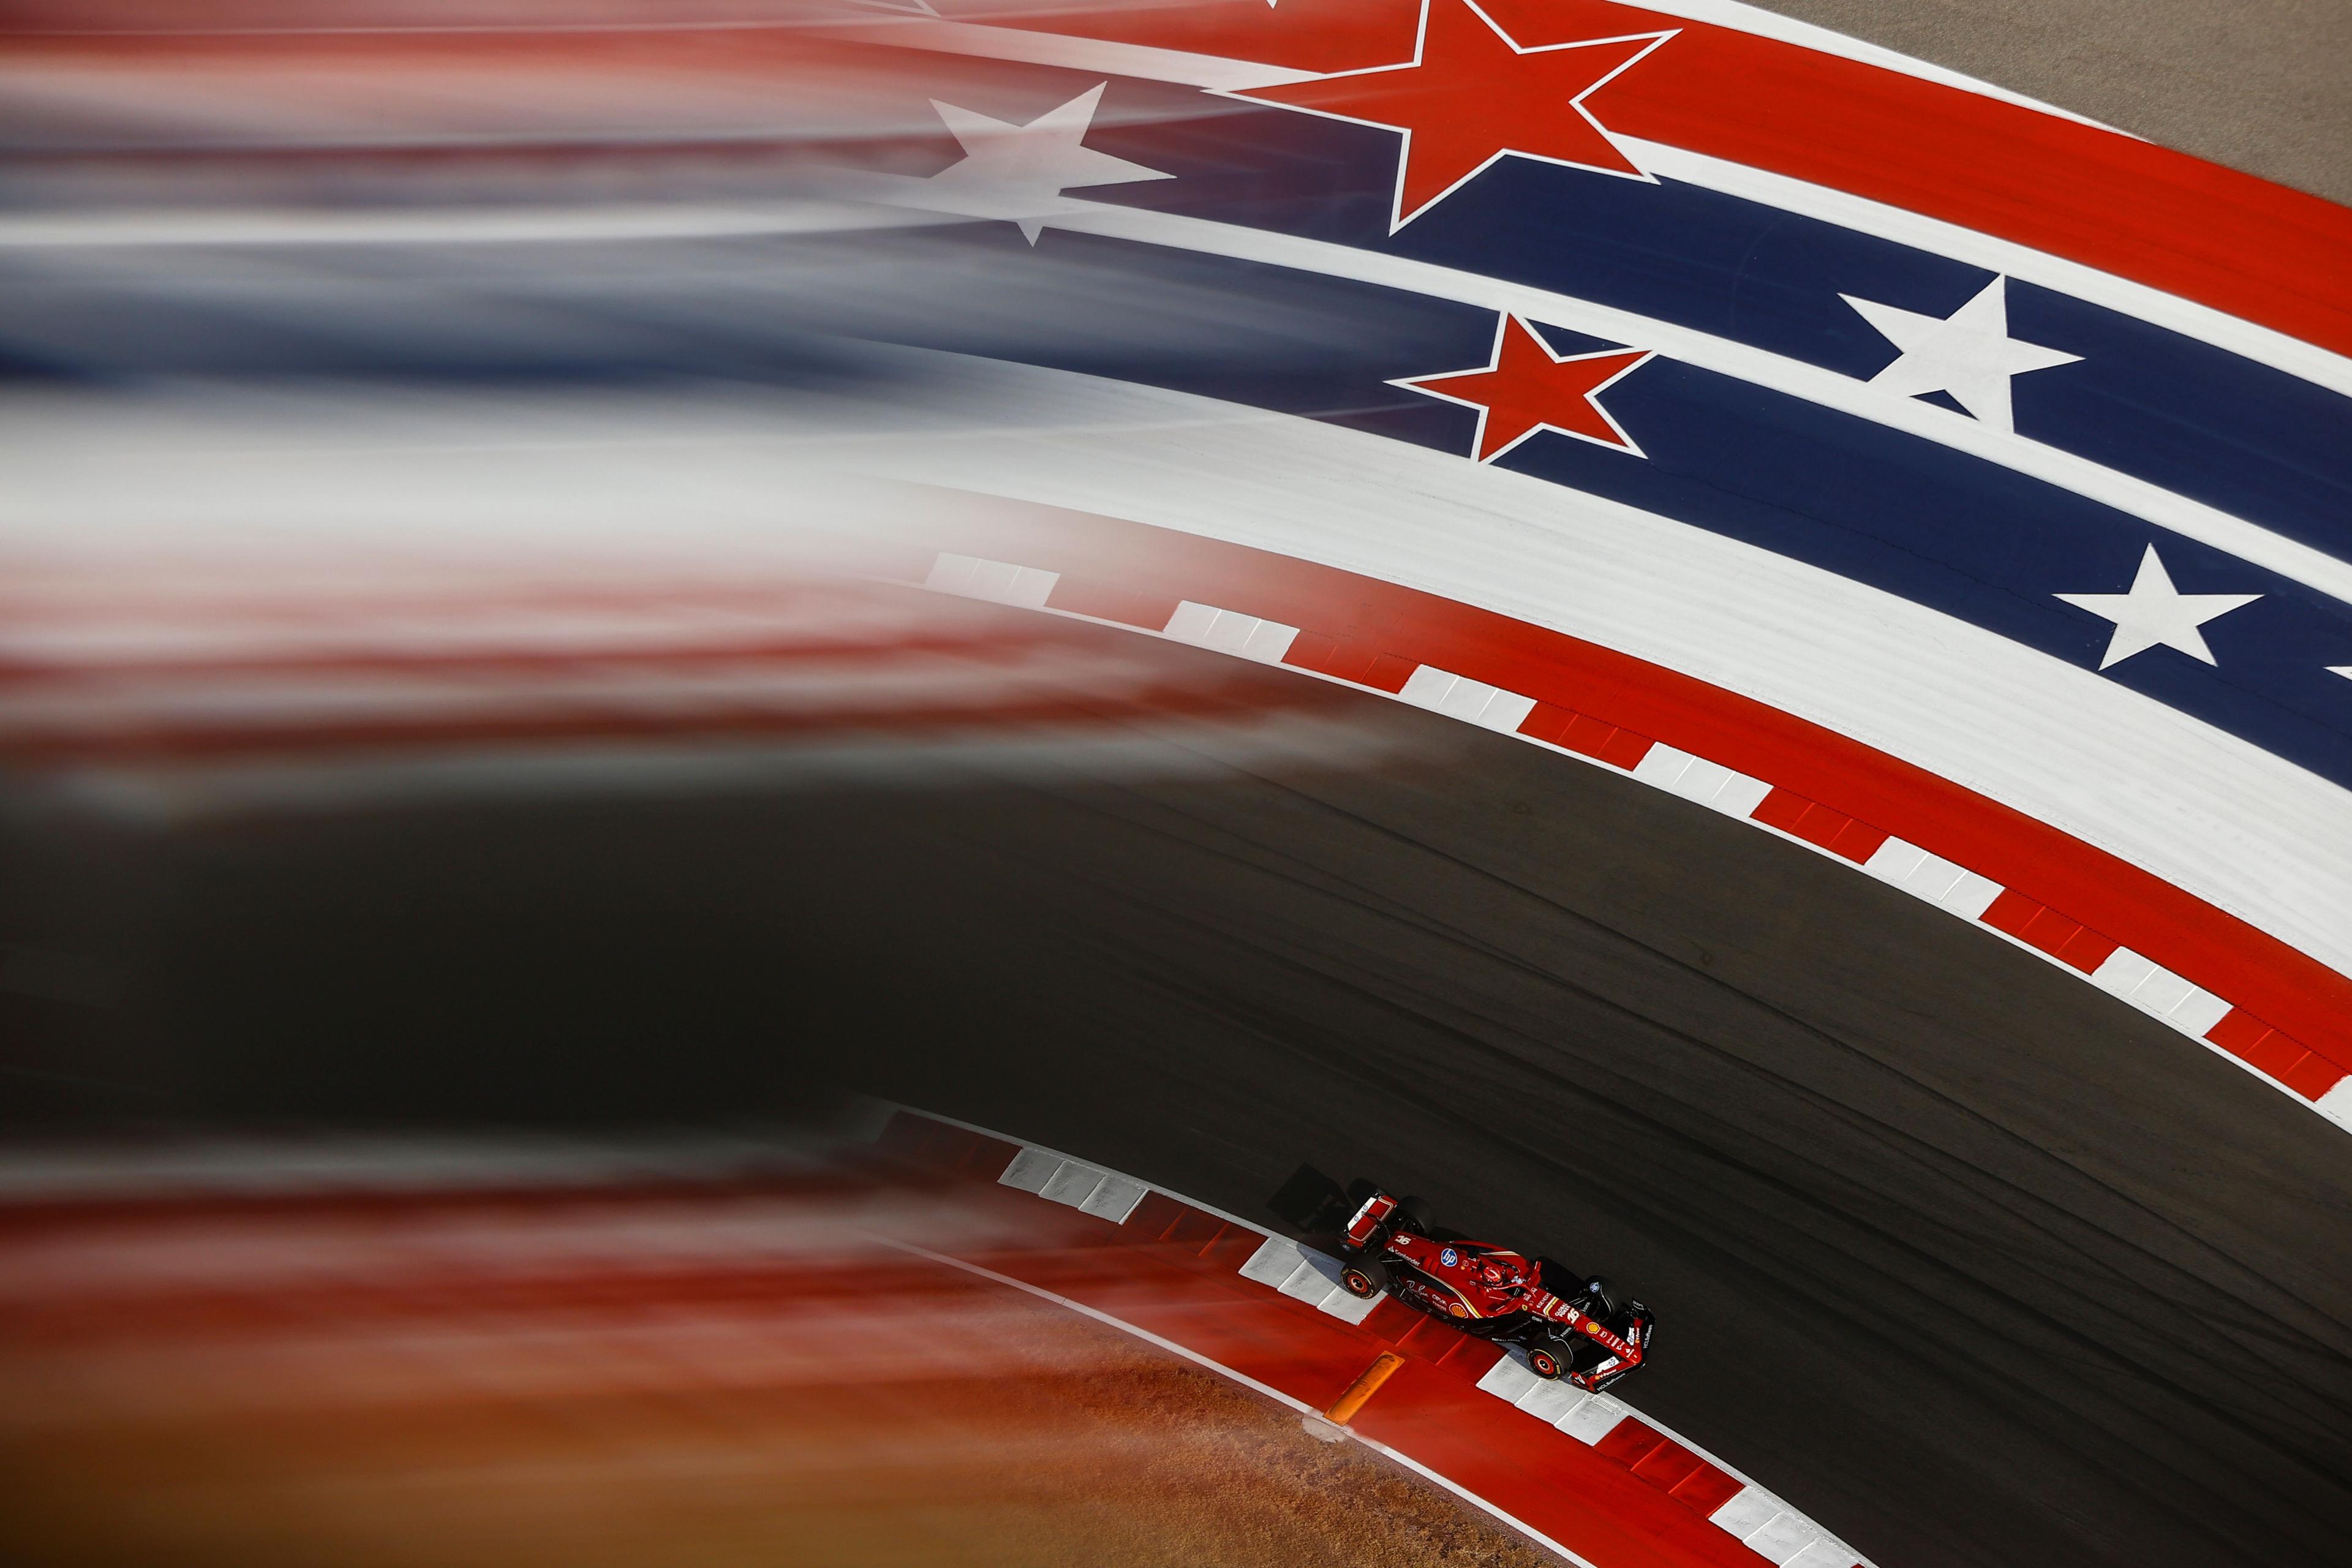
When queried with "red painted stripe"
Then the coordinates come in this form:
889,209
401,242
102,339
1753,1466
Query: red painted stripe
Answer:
1391,628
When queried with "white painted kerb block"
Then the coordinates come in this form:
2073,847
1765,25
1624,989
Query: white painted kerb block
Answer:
2337,1104
1106,1194
999,582
1749,1510
1933,878
2160,994
1472,701
1230,631
1306,1276
1782,1537
1694,778
1593,1419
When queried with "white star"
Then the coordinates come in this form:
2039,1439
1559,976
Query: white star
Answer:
1968,353
2155,612
1019,171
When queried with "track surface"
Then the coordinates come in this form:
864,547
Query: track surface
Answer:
1971,1262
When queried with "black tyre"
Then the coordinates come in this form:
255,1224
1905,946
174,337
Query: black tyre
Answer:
1544,1362
1413,1215
1358,1282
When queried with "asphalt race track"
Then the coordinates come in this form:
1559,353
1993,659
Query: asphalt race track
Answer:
1979,1264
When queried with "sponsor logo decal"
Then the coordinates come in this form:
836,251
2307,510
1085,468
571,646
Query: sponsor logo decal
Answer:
1449,1258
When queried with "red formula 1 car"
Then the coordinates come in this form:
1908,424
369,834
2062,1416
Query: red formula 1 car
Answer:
1569,1327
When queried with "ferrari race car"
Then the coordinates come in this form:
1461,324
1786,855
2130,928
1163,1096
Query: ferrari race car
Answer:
1567,1327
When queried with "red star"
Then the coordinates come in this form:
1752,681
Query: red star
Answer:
1527,388
1471,94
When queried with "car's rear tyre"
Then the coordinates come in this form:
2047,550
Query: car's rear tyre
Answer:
1546,1362
1358,1283
1413,1215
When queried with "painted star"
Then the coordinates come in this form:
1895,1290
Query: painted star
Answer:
1968,353
1524,387
1470,95
1019,171
2154,612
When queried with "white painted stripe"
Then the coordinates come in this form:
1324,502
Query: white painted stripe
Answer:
2265,345
2217,816
1230,631
999,582
1472,701
2337,1104
1070,53
550,223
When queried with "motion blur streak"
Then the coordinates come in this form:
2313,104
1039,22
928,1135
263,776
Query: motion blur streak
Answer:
404,397
559,1352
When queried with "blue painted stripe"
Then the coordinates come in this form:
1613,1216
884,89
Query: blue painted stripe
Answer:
2198,420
